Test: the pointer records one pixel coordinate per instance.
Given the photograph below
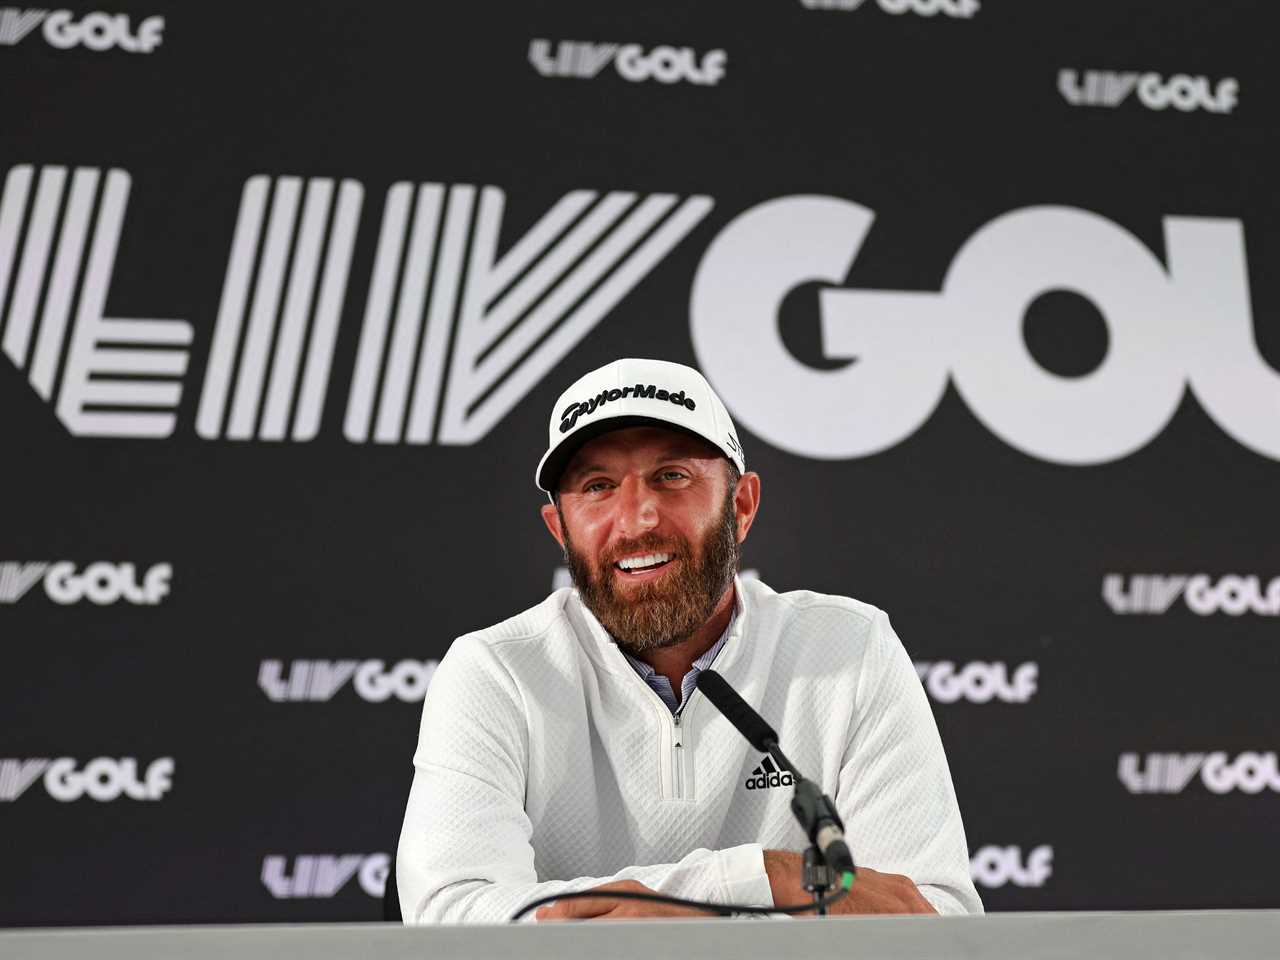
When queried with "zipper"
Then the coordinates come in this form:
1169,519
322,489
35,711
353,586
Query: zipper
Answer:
679,734
672,786
677,756
671,774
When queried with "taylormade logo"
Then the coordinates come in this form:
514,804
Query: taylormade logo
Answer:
924,8
323,875
1154,593
994,867
99,583
1108,88
103,779
766,776
319,680
640,391
1248,772
978,682
94,31
575,58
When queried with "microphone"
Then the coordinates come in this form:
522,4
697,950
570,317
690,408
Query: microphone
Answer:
738,712
817,815
812,808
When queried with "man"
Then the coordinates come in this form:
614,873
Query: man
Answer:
568,748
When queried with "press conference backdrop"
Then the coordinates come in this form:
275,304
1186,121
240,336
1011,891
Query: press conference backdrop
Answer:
286,295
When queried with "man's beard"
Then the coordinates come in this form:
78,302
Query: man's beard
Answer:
667,611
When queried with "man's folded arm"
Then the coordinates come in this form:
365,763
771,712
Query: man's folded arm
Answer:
465,854
490,877
895,791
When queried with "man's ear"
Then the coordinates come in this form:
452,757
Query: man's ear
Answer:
551,517
746,501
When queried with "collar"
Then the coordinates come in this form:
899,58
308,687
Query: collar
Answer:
645,670
608,654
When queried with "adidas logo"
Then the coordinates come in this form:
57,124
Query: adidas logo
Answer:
767,775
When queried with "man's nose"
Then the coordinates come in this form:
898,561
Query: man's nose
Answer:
637,507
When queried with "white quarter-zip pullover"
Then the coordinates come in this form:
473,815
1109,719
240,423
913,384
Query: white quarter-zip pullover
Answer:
545,763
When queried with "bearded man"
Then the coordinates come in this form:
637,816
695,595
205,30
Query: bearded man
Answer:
568,748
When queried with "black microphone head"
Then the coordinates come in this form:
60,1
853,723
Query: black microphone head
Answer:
737,711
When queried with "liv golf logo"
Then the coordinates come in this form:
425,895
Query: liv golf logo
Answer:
1107,88
1155,593
1219,772
993,866
94,31
571,58
99,583
323,875
923,8
443,305
103,779
465,316
978,682
318,680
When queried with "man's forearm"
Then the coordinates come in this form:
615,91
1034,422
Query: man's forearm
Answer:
785,870
873,891
728,875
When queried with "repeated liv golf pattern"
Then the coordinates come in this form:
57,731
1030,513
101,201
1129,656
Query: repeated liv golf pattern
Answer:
72,363
313,551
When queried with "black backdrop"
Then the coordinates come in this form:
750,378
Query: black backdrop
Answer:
1112,746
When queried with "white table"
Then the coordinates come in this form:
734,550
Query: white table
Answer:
1221,935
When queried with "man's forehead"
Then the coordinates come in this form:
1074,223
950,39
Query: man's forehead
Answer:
632,442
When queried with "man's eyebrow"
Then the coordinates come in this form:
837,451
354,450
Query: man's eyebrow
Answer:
575,472
672,453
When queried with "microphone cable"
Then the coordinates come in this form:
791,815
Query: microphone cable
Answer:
718,909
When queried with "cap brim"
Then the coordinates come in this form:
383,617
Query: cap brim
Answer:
556,459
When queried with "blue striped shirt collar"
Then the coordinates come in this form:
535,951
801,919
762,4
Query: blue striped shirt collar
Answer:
662,686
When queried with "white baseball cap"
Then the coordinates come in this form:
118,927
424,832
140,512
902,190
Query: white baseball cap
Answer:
631,393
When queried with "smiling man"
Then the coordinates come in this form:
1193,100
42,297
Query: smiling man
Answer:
568,747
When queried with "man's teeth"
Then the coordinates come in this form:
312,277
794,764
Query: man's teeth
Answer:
640,563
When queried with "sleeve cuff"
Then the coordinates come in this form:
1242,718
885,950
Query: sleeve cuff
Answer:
743,877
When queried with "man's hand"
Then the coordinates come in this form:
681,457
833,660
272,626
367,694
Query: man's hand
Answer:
873,891
611,908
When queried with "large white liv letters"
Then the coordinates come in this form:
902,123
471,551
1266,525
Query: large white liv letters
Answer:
106,376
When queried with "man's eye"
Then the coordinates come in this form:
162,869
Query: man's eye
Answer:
672,475
595,486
